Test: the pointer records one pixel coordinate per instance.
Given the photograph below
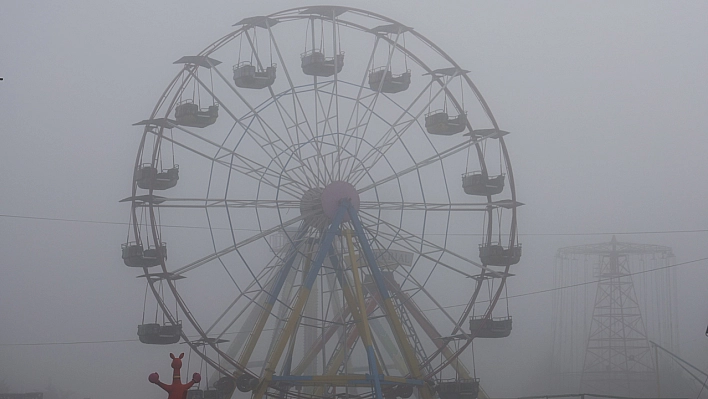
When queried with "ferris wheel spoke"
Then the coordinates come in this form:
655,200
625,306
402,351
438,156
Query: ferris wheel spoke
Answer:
307,172
258,173
282,112
255,303
421,164
289,176
244,294
295,147
368,110
418,287
416,243
335,96
352,159
276,151
246,166
201,203
433,334
426,206
326,120
296,100
406,111
390,138
319,105
393,136
326,173
263,142
202,261
246,162
277,263
358,100
297,104
397,128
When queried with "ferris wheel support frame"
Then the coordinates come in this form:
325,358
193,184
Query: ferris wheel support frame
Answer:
345,208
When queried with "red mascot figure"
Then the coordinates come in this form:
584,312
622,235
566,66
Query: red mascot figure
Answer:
176,390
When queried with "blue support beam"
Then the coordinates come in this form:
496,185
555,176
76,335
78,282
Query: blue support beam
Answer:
283,275
369,254
326,242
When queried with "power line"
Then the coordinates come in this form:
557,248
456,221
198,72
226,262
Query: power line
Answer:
577,284
607,278
426,310
112,223
449,234
113,340
70,343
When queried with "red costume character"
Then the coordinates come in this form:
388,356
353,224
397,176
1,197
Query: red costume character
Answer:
176,390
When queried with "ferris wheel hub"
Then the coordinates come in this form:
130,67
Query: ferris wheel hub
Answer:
334,193
321,204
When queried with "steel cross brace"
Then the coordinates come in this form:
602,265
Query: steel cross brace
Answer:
303,293
323,251
395,323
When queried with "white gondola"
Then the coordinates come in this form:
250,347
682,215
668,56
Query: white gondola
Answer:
247,76
134,255
482,327
314,63
497,255
389,83
187,113
475,183
149,178
440,123
157,334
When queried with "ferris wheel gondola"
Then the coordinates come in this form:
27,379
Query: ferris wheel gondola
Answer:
382,78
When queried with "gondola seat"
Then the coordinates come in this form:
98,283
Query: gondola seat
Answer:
490,328
475,183
246,76
497,255
189,114
458,389
135,256
389,82
149,178
156,334
439,123
314,63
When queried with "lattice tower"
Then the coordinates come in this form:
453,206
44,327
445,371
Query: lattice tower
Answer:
602,346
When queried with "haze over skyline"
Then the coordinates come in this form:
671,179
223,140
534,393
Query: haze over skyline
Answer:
605,102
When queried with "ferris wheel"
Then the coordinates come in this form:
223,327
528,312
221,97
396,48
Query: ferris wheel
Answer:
340,210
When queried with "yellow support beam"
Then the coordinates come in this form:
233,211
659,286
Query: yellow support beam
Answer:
257,330
282,341
267,308
302,296
363,317
392,317
355,308
342,380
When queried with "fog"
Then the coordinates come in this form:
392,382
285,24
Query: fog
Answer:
605,101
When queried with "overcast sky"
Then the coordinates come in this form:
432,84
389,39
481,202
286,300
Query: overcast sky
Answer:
606,102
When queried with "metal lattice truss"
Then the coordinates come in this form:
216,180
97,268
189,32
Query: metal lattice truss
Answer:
618,358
